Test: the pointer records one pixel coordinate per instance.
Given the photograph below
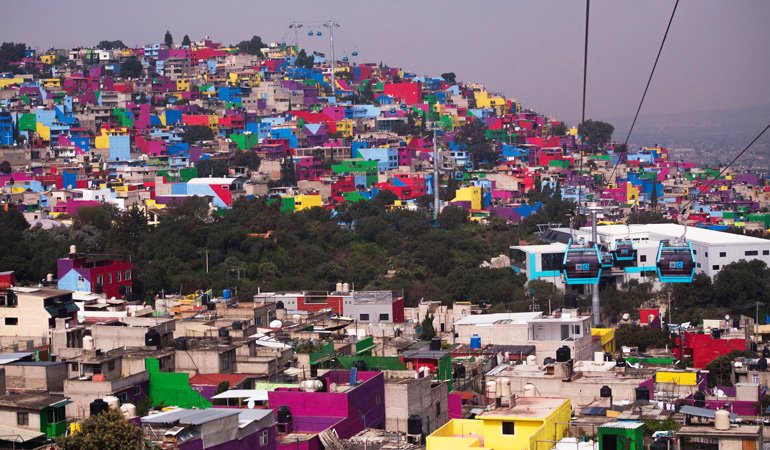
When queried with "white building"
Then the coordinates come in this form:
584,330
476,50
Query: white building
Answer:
713,250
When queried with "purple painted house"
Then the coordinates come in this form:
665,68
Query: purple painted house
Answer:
213,429
348,402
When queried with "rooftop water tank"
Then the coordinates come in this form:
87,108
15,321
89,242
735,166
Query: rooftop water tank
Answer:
475,341
181,343
563,354
152,338
605,392
505,387
699,400
276,324
531,360
529,390
414,425
98,406
642,394
226,294
284,414
88,343
112,401
435,344
224,332
722,420
128,410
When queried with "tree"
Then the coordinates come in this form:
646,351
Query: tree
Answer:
449,77
428,332
186,41
452,217
720,372
11,52
197,133
595,133
246,159
253,46
288,172
303,60
742,282
131,68
110,45
108,430
168,39
5,167
559,129
212,167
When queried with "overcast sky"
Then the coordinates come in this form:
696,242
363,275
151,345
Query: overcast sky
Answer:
717,55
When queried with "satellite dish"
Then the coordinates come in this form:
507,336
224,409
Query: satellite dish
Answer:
250,404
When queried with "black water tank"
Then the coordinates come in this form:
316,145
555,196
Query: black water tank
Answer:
98,406
324,384
224,332
459,371
716,333
237,325
620,362
284,415
181,343
211,306
548,360
563,354
762,364
279,305
98,289
737,323
414,425
700,400
642,347
608,356
570,301
314,370
753,347
152,338
605,392
205,299
435,343
642,394
361,365
766,352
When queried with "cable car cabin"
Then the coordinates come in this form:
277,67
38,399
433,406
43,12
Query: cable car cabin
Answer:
675,262
608,260
582,264
624,250
354,53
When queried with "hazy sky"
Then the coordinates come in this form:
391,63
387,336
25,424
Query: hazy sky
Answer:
717,55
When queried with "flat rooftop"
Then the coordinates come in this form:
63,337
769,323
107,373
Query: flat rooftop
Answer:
527,407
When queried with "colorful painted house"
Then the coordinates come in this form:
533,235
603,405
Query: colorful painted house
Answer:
112,277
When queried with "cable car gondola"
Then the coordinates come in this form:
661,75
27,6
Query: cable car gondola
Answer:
318,33
675,262
607,259
309,33
345,59
582,264
624,250
355,53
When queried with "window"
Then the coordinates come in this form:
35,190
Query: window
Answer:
577,330
99,280
751,253
707,254
384,317
81,282
137,390
109,278
642,258
715,267
722,254
551,261
117,276
699,265
56,415
695,252
11,320
110,366
122,397
438,409
263,438
364,317
508,428
22,419
127,275
766,252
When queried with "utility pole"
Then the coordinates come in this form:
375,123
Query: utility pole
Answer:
207,261
436,199
331,25
595,303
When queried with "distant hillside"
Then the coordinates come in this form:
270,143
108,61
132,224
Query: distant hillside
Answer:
715,136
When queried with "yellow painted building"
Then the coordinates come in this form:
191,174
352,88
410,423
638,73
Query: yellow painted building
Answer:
182,85
345,128
534,423
678,377
103,140
43,131
52,82
307,201
470,194
5,82
606,337
48,59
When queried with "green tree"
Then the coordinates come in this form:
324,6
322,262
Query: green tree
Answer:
720,372
452,217
105,431
559,129
168,39
427,331
197,133
288,172
212,167
11,52
131,68
186,41
253,46
110,45
246,159
304,60
595,133
449,77
742,283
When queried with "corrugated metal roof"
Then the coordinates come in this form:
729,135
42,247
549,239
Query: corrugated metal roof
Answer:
189,416
624,425
701,412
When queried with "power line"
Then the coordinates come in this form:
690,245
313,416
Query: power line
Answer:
641,102
583,114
